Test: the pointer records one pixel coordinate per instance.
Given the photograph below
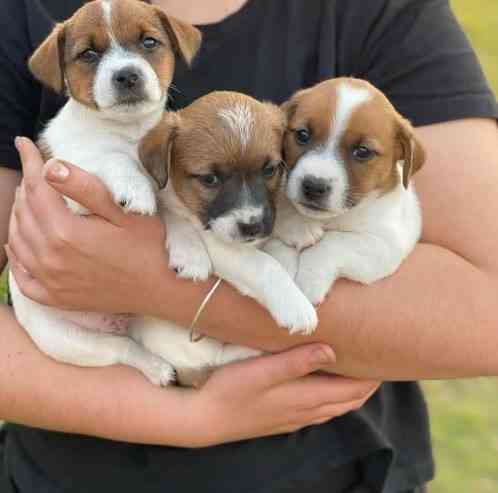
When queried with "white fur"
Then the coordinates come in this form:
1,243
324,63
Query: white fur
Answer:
326,162
364,244
104,143
107,12
226,226
196,253
241,122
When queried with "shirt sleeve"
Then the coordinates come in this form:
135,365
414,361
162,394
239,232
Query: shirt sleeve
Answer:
19,92
416,52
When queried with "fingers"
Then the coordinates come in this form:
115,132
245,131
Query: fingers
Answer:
84,188
274,370
317,391
27,284
41,197
25,236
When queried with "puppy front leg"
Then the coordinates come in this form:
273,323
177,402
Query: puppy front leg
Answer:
295,230
129,185
285,255
256,274
187,254
359,257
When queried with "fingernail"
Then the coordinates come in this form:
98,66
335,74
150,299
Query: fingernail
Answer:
55,171
323,356
18,142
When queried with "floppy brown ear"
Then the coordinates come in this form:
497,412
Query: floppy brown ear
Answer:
411,151
47,62
156,148
185,38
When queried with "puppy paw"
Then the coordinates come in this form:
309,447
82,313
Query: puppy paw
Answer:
159,372
296,314
135,194
190,262
308,235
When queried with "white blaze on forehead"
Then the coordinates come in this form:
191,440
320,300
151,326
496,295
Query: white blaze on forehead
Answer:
240,121
107,11
326,162
349,98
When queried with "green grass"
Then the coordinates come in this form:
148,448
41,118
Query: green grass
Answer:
465,413
480,21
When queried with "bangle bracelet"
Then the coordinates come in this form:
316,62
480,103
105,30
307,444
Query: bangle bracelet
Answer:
195,336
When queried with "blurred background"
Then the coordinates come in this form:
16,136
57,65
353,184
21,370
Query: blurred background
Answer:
465,413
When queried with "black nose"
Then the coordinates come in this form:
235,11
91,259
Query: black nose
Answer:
315,188
127,78
250,229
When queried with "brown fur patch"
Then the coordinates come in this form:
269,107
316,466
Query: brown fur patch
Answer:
131,21
203,143
374,123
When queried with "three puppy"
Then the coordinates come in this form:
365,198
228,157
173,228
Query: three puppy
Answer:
347,208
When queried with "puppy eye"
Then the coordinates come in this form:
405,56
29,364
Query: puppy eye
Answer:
270,170
209,181
303,136
150,43
89,56
363,153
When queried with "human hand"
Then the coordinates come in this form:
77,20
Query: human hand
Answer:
275,394
100,262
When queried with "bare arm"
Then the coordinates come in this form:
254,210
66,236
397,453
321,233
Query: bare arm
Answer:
436,317
40,392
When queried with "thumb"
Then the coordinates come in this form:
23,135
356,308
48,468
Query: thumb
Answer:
31,158
84,188
273,370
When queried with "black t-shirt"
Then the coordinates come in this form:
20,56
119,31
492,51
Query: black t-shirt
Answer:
416,53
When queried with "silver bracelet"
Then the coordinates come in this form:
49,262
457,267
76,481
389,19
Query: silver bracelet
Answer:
197,336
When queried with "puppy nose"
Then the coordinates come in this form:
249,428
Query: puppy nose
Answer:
126,78
315,188
250,229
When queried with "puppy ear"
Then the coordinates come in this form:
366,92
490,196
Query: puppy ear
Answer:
185,38
47,62
410,150
156,148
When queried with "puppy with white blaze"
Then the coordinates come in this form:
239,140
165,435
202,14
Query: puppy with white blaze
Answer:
350,209
223,156
115,61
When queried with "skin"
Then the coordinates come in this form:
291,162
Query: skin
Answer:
412,337
435,318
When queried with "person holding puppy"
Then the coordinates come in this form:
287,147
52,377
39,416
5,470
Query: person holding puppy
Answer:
434,318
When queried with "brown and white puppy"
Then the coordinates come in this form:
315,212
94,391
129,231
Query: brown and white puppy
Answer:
115,60
351,209
223,155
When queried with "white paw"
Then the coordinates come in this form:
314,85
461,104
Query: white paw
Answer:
314,287
158,371
295,313
190,262
307,235
135,194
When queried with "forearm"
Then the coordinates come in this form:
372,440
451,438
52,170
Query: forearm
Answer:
40,392
437,317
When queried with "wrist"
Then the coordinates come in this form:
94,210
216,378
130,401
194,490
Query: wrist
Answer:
167,297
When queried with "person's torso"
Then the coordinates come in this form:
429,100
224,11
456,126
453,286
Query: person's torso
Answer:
268,50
